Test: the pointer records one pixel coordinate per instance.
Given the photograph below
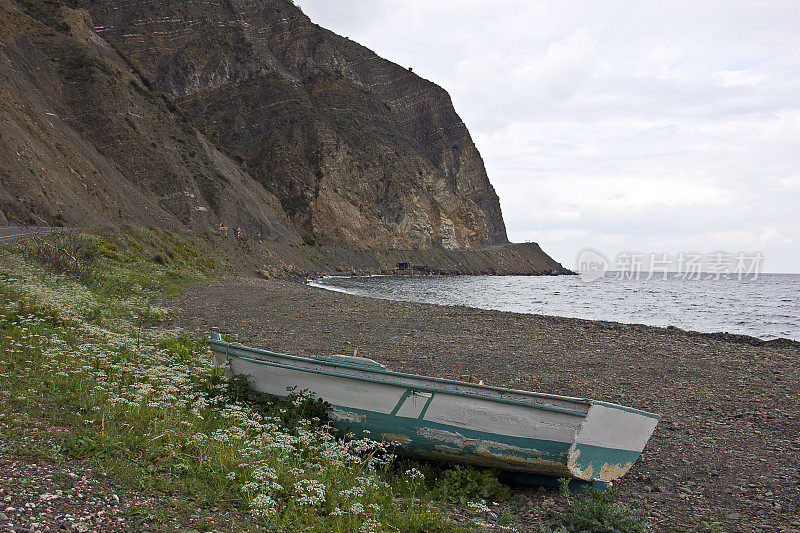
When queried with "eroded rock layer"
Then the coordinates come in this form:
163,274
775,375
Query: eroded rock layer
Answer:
84,141
359,150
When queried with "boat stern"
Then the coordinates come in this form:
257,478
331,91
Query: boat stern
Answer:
219,354
609,441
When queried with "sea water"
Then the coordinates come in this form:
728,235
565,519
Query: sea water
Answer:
767,307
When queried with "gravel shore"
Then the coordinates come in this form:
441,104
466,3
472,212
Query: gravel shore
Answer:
729,440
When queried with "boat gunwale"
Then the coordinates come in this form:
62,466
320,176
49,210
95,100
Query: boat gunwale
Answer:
422,388
357,366
626,408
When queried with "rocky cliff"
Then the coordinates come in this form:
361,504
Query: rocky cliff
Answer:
182,114
359,150
84,141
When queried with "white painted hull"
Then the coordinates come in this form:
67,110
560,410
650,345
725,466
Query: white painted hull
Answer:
516,431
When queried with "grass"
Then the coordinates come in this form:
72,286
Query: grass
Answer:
88,357
146,405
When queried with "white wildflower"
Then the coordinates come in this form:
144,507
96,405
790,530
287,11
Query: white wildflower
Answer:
415,474
371,525
264,473
311,492
478,507
263,505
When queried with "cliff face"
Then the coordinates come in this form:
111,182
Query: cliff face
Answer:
182,114
83,141
359,151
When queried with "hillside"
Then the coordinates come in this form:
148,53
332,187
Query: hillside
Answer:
84,141
184,115
360,150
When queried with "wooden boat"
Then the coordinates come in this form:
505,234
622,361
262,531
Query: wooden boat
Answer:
524,433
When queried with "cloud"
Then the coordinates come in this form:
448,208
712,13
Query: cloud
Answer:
772,234
792,184
739,78
615,125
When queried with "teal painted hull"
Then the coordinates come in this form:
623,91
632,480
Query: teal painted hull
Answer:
521,432
480,447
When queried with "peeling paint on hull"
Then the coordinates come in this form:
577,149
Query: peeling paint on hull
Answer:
431,418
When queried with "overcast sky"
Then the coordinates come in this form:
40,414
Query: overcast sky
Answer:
621,126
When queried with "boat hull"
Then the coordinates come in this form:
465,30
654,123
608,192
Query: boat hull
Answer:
431,418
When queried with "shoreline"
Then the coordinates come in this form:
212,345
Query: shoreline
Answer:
295,262
738,338
727,441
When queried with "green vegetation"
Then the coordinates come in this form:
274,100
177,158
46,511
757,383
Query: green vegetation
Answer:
87,352
705,523
141,263
462,484
74,62
308,235
47,12
599,512
467,484
91,365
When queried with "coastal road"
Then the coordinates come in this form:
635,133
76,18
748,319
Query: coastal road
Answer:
17,233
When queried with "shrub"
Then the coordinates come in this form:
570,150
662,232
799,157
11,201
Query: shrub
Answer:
456,483
464,484
293,408
47,12
183,348
107,249
80,446
599,512
161,260
65,252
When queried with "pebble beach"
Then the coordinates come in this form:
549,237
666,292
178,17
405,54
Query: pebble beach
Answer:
728,442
